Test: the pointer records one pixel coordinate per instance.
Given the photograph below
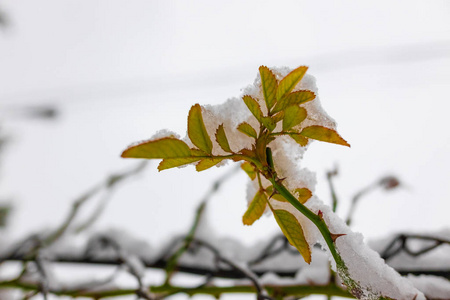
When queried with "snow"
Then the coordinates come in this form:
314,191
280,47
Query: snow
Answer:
372,276
433,287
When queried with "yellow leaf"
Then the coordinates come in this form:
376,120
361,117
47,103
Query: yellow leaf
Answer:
269,86
300,139
303,195
207,163
222,140
249,169
197,131
287,84
160,148
197,152
269,123
256,208
247,129
293,116
293,231
278,117
253,106
295,98
176,162
324,134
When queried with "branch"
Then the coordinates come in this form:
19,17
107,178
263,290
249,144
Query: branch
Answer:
280,291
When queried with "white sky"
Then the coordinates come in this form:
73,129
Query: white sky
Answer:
119,71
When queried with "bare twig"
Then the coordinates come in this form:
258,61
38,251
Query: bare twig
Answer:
330,175
386,183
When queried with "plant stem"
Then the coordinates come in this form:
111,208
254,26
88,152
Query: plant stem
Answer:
319,222
292,290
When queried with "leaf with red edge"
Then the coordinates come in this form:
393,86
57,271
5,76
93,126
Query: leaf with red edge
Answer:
269,85
247,129
288,83
207,163
256,208
197,131
161,148
294,98
323,134
293,116
303,195
222,139
293,231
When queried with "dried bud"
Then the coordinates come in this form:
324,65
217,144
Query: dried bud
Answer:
389,182
320,214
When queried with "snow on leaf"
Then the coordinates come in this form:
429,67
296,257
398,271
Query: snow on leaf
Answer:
293,231
295,98
169,163
256,208
269,86
287,84
293,116
207,163
249,169
303,195
324,134
247,129
197,131
222,140
160,148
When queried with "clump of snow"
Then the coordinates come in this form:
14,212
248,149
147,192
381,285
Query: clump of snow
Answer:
436,259
317,273
433,287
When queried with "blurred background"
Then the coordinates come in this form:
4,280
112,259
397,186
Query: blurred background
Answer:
81,80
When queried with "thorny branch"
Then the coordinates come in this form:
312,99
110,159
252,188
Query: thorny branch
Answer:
31,250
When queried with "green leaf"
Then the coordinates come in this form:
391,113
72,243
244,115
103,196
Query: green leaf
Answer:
293,231
293,116
269,123
176,162
278,117
255,109
249,169
197,152
207,163
300,139
222,140
256,208
295,98
303,195
161,148
247,129
269,86
197,130
287,84
253,106
324,134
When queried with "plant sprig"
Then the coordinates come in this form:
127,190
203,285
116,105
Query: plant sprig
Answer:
283,105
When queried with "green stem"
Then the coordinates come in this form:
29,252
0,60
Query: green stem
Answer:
319,222
291,290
